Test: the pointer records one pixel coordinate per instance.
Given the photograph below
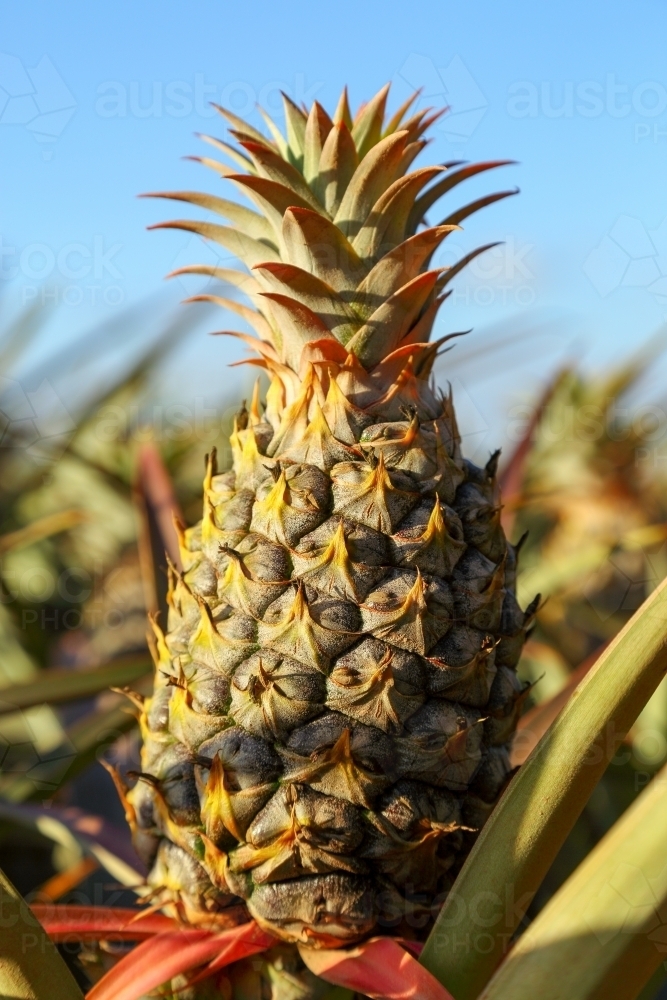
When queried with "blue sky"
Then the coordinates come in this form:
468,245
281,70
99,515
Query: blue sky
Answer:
99,102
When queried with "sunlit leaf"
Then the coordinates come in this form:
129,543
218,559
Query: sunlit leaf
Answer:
603,934
30,966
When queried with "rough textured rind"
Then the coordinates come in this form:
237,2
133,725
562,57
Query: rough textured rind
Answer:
335,685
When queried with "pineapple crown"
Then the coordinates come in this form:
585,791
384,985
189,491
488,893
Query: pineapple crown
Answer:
337,253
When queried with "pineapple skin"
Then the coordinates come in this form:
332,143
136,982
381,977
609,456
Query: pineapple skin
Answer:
335,690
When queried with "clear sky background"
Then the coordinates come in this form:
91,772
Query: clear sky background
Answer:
99,102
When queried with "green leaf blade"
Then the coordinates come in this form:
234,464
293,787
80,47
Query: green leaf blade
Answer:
602,934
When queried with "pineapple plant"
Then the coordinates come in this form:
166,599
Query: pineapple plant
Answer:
335,687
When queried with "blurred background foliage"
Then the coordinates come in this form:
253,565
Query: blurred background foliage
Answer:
87,486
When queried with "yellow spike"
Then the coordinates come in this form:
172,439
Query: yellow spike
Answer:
186,837
248,461
294,419
275,400
405,625
415,598
236,586
344,419
406,374
163,654
237,451
215,863
334,771
188,559
316,445
331,568
255,414
206,645
276,499
211,534
212,466
122,790
336,551
368,500
295,634
217,810
342,112
436,529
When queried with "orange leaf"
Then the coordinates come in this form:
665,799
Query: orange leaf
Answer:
97,923
167,955
379,968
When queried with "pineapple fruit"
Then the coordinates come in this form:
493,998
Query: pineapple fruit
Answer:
335,688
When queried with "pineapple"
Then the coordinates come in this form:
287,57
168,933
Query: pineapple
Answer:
335,689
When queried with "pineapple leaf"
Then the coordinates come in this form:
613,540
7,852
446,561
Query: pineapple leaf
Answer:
251,316
317,245
460,264
240,124
534,724
295,121
30,973
429,197
386,223
462,213
367,127
299,325
250,222
397,267
44,527
539,808
338,162
394,122
84,741
602,934
310,291
57,686
380,968
273,198
158,511
272,166
231,275
373,175
234,154
247,249
318,127
387,326
420,122
165,955
94,836
97,923
278,137
342,112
